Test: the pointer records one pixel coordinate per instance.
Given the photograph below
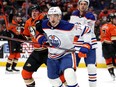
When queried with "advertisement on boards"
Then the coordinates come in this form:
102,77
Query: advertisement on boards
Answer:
27,48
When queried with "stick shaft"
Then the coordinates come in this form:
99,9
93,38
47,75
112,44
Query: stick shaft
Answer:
15,39
19,40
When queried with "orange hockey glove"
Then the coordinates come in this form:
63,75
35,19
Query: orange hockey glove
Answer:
82,55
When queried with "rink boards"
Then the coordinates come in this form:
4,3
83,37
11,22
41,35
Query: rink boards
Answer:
28,48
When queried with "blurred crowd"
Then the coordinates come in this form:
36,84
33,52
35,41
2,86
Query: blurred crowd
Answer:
100,8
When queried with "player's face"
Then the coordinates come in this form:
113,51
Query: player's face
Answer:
35,13
114,21
83,6
19,19
54,19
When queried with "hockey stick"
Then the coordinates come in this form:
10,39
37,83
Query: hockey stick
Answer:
15,39
19,40
47,38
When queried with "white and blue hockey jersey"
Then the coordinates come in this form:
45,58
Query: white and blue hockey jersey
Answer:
61,36
89,20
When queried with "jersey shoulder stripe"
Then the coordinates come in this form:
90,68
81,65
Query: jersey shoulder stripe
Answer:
90,16
87,15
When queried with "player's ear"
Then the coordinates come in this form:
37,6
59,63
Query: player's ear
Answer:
60,17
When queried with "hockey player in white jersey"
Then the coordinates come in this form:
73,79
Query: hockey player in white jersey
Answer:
60,34
86,45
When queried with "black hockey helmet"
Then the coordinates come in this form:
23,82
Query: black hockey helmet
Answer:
111,16
36,6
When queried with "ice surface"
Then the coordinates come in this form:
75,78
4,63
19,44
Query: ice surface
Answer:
15,80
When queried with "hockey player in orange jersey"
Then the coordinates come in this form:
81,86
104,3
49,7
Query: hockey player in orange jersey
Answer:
14,47
39,54
108,34
113,37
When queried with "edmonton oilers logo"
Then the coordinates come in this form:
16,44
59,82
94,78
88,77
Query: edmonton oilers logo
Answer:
55,41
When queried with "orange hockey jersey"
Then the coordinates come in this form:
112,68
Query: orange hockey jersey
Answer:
30,30
113,33
13,27
107,31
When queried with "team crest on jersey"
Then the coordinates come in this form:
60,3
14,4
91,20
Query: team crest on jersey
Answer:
55,41
32,30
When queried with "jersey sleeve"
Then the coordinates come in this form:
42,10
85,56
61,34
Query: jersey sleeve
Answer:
91,20
86,34
73,19
26,30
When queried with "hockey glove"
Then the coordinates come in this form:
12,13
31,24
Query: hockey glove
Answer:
84,50
46,44
43,41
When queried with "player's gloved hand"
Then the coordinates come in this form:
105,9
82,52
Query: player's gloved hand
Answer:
41,39
82,55
46,44
84,50
28,38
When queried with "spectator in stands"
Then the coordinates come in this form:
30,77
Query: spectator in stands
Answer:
97,29
111,8
26,4
103,15
94,4
67,14
102,4
2,28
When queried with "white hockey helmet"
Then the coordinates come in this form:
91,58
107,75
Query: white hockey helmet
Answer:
83,1
54,10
